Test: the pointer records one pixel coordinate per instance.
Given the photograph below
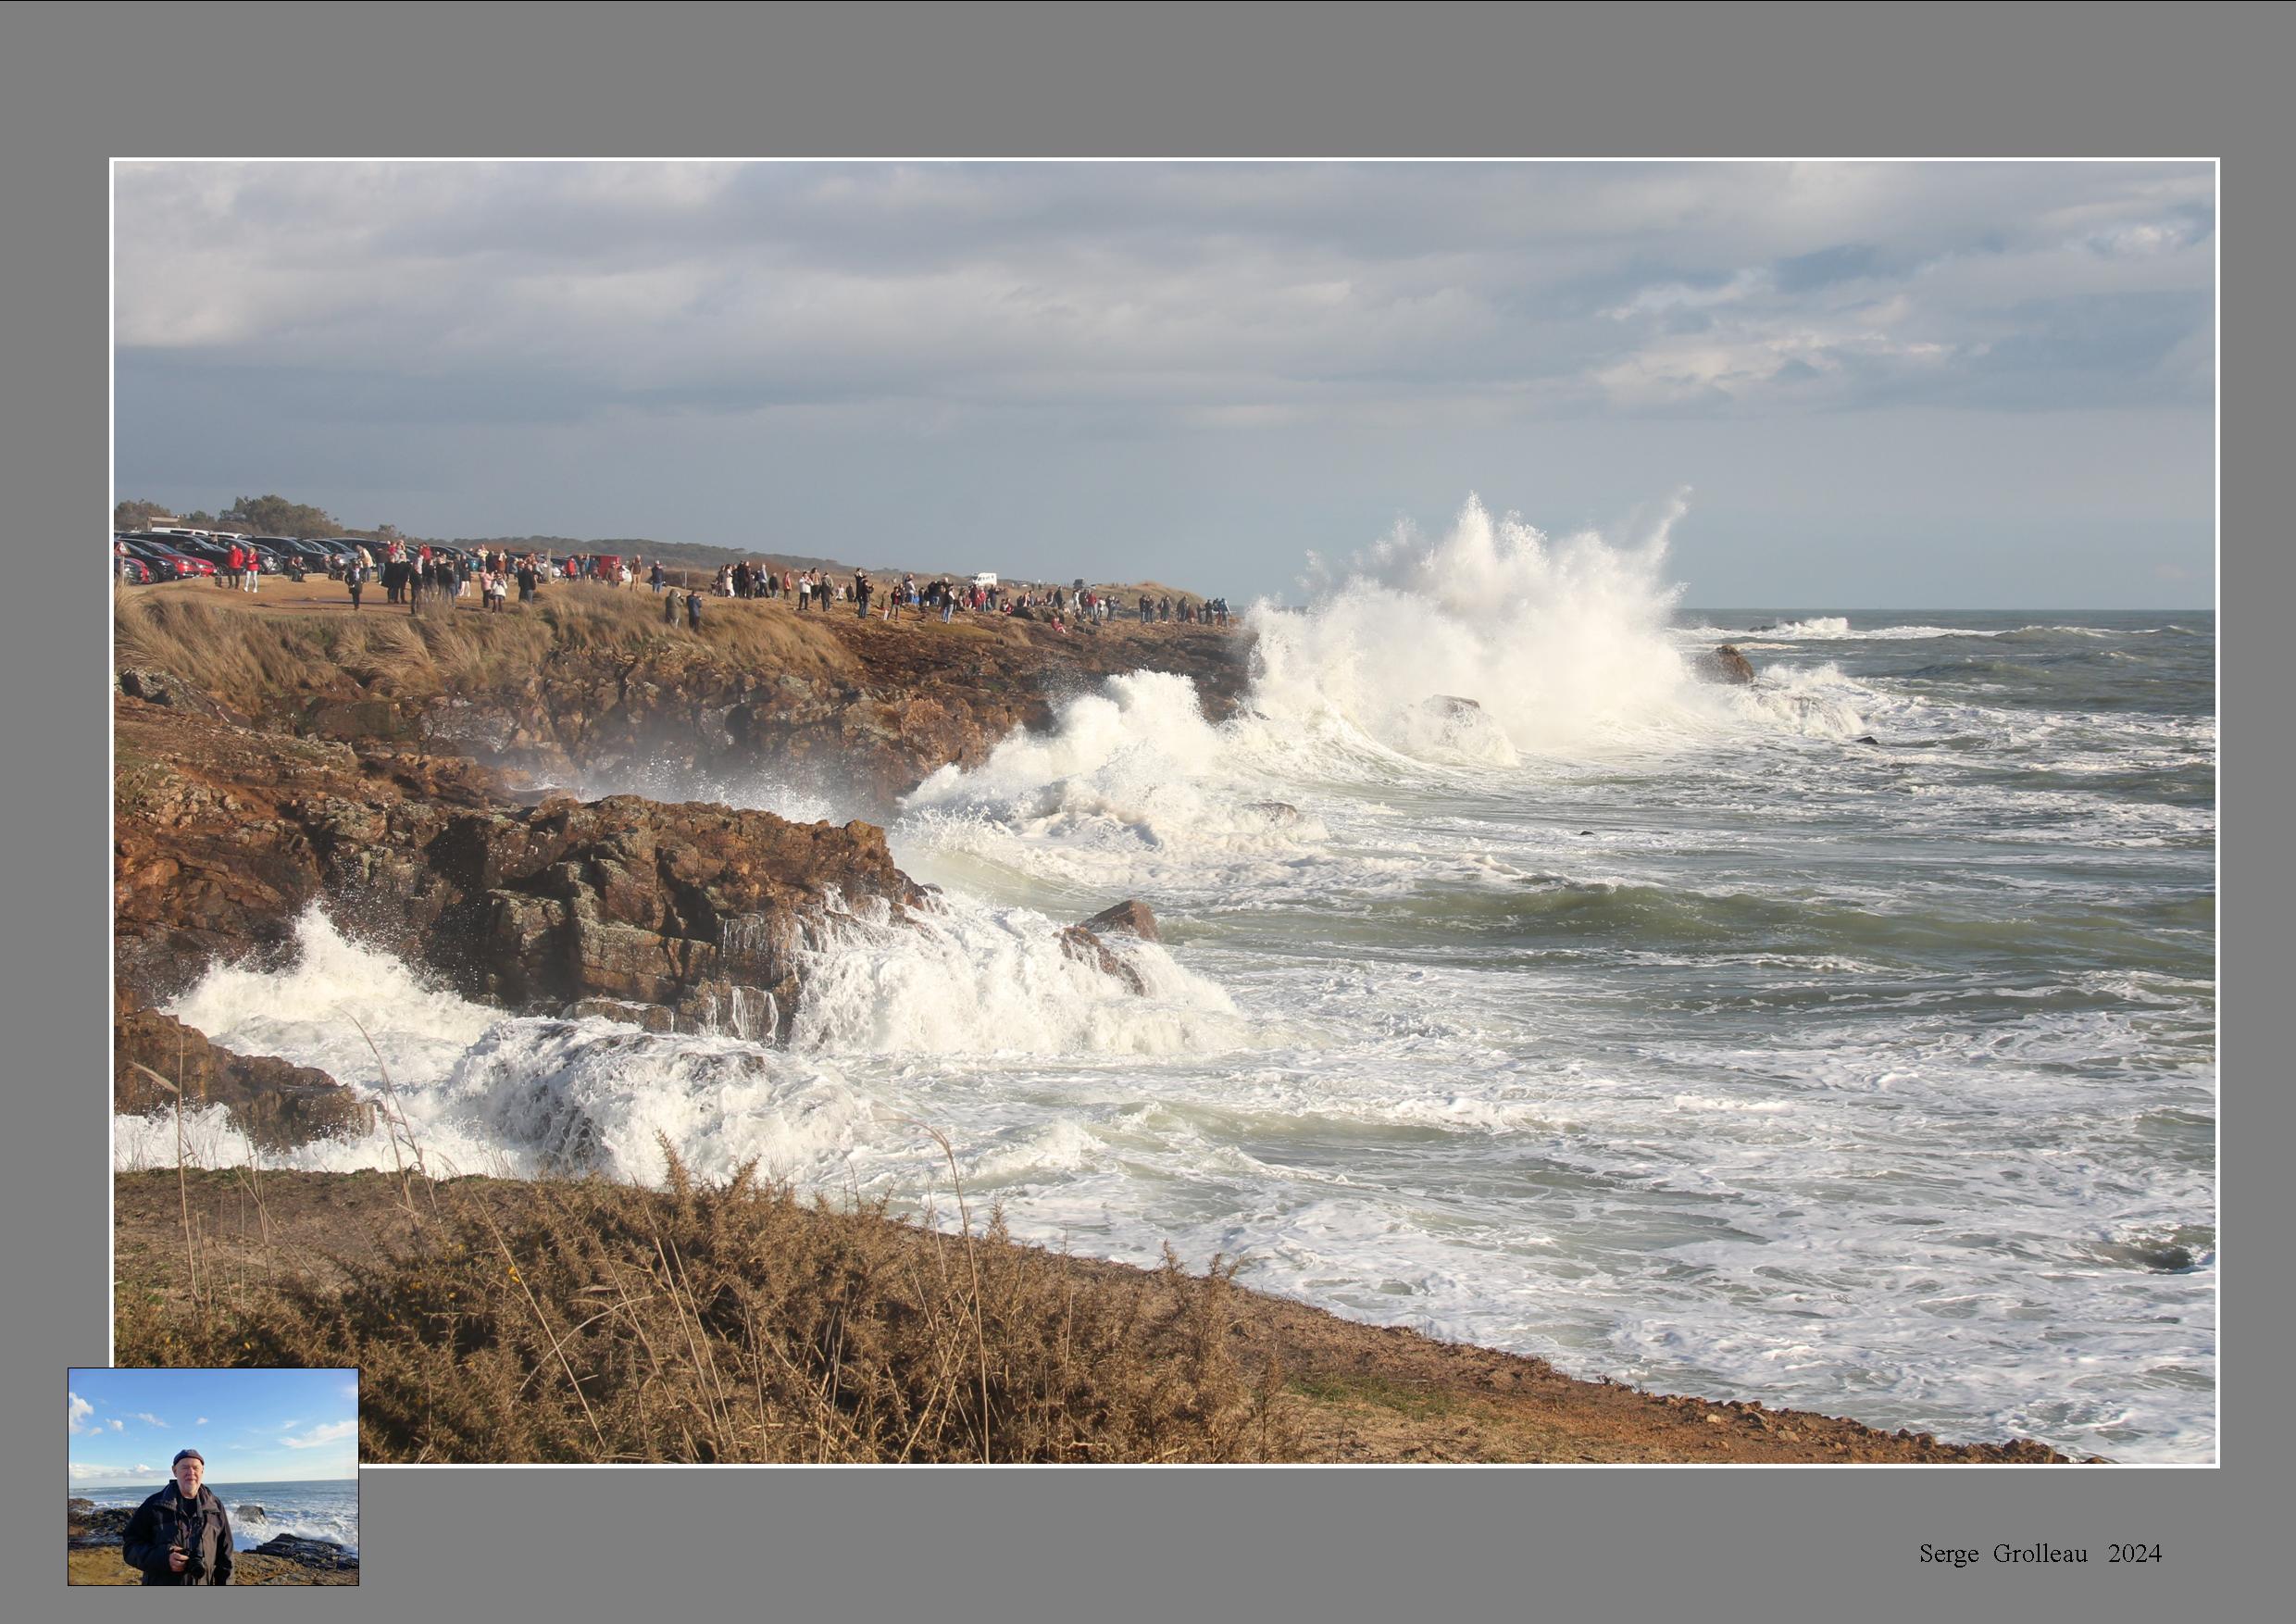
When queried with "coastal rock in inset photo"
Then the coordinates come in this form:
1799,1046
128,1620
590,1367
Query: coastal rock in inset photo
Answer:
92,1527
1724,664
322,1554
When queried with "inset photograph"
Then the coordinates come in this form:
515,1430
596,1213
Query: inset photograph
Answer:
213,1477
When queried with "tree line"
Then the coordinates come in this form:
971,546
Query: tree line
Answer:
259,516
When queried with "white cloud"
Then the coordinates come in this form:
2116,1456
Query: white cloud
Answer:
1683,296
92,1473
332,1433
201,1422
75,1414
1171,293
145,1416
118,1425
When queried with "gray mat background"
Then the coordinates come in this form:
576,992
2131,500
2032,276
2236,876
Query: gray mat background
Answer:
79,86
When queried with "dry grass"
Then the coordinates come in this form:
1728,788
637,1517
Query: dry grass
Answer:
249,654
595,1321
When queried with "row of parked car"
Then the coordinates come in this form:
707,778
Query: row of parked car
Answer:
148,555
142,557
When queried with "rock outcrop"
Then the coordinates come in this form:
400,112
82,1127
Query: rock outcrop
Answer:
275,1104
324,1554
92,1525
1724,664
1131,915
1083,943
223,834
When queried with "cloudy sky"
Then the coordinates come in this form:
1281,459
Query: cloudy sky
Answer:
1885,385
249,1425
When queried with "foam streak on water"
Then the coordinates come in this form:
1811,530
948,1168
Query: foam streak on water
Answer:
1844,1042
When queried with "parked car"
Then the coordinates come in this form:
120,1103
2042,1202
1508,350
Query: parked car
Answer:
165,561
203,547
127,568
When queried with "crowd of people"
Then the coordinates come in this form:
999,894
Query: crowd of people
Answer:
816,591
414,574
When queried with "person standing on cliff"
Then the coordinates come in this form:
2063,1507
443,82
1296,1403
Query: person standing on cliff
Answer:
181,1535
861,593
693,610
354,576
669,608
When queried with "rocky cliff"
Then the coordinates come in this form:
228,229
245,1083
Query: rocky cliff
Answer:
681,914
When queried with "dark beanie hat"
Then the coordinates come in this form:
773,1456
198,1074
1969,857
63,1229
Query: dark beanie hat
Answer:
183,1455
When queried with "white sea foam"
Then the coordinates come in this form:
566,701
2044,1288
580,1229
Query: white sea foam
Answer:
974,980
1559,643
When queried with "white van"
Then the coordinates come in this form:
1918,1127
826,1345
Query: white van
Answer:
987,577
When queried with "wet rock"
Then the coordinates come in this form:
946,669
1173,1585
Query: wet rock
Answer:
320,1554
1085,947
1724,664
92,1527
1281,813
1866,739
276,1104
1132,916
1450,705
651,1017
251,1509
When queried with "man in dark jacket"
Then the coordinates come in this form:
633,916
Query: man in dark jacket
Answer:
181,1535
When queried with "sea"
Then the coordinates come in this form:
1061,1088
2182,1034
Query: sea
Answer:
1845,1040
327,1510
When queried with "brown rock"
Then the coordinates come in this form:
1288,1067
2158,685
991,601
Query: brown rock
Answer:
1134,917
1086,948
276,1104
1724,664
223,836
